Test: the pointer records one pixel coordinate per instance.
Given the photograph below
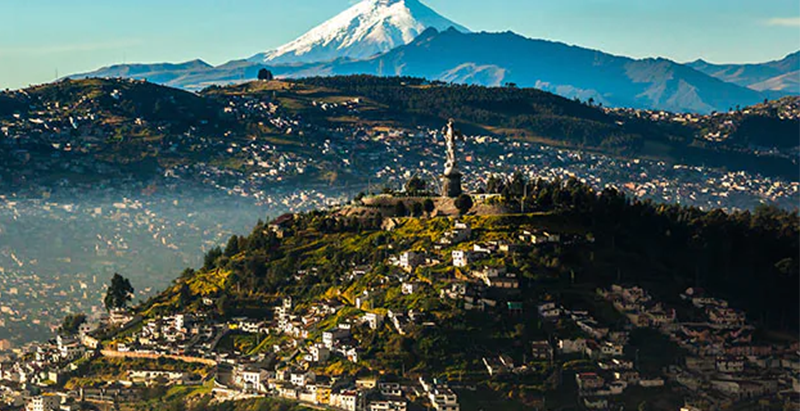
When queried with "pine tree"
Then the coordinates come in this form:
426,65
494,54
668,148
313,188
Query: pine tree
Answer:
464,203
119,293
233,247
265,75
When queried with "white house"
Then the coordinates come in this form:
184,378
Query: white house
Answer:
389,405
443,399
549,311
595,403
301,378
461,258
331,338
390,389
730,365
319,353
572,346
539,237
46,402
410,260
373,320
410,287
609,349
347,400
460,233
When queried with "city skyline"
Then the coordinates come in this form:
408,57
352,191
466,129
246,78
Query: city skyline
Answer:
39,44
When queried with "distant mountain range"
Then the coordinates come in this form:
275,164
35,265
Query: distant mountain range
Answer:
405,37
495,59
780,75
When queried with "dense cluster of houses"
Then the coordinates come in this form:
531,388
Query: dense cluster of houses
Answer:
36,366
589,338
347,394
295,380
717,127
724,363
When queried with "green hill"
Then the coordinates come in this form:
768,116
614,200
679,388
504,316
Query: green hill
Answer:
749,259
141,128
604,239
535,115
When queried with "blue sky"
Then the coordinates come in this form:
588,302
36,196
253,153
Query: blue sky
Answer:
39,38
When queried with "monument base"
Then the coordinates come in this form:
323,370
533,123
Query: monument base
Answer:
451,186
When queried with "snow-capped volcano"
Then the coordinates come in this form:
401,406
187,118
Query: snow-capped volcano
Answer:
368,28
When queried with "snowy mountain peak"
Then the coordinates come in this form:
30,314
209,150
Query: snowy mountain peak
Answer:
365,29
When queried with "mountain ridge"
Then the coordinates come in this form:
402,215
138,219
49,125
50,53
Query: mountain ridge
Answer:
781,75
650,83
568,70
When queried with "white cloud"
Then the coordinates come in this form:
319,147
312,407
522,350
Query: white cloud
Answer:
784,22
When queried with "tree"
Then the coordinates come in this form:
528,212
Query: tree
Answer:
464,203
416,209
359,197
184,295
495,185
233,246
416,186
428,205
400,209
119,293
211,258
265,75
71,324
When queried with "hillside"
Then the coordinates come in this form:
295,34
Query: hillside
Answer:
114,129
334,271
740,256
530,114
411,102
93,130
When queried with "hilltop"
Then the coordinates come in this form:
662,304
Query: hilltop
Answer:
461,302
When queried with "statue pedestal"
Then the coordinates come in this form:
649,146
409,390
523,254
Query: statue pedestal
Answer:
451,186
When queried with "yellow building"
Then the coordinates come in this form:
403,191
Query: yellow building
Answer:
323,394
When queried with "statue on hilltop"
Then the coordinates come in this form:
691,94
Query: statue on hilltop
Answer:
451,177
451,135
